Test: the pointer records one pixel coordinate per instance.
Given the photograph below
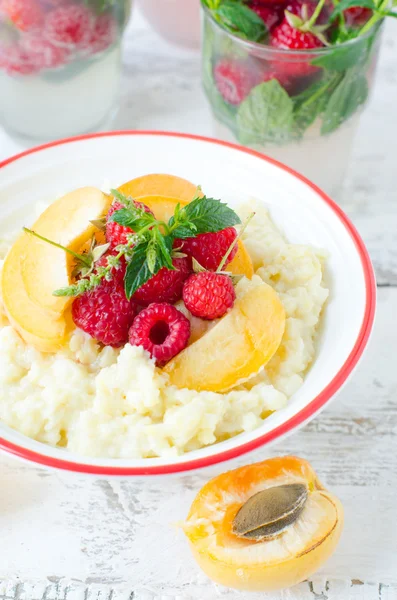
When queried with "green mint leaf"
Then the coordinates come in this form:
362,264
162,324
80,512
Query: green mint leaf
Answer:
345,57
151,255
144,264
138,271
311,103
164,244
207,215
241,20
133,220
184,231
345,4
266,115
351,93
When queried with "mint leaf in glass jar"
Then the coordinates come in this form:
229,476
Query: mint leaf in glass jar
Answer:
265,115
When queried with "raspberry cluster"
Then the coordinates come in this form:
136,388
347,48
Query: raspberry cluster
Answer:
150,319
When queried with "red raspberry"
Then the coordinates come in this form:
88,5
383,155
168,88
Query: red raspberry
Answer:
166,286
271,14
209,248
105,313
42,53
103,35
24,14
234,80
162,330
15,61
356,16
69,26
118,234
118,272
209,295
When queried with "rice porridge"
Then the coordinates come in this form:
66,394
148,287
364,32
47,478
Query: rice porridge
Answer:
106,402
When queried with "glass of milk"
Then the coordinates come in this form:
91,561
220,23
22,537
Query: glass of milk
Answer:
60,64
300,108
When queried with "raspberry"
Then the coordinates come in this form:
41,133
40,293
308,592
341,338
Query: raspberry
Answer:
43,54
15,61
166,286
162,330
271,15
105,313
24,14
356,16
209,295
103,35
118,234
234,80
210,248
69,26
118,272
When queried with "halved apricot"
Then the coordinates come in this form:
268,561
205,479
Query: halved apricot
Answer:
290,526
36,326
160,184
237,347
46,268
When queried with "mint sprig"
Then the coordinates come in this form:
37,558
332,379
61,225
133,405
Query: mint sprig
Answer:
150,246
155,238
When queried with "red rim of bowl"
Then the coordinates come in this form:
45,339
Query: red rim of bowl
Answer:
300,418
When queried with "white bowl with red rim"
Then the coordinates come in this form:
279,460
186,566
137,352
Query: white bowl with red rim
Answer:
234,174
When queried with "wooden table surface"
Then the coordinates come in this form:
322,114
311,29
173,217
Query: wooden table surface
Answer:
66,537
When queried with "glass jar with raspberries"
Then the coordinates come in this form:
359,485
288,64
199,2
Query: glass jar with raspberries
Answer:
290,78
60,63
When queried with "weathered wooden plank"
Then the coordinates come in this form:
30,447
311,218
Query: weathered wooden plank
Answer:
334,589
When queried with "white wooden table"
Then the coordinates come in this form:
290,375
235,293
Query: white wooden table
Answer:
66,537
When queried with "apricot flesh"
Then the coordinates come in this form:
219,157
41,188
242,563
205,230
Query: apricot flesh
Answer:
46,268
36,326
160,184
237,347
276,563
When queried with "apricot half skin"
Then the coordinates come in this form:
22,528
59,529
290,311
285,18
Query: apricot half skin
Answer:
271,564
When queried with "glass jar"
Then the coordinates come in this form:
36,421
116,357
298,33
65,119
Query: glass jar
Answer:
60,64
301,108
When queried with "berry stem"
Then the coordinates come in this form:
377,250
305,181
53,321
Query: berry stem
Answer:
80,257
235,241
316,14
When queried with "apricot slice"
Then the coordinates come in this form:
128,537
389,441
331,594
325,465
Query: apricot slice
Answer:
67,222
36,326
283,496
164,207
160,184
237,347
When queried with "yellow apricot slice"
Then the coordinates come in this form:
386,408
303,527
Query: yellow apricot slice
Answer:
164,207
241,263
67,222
160,184
36,326
239,345
284,558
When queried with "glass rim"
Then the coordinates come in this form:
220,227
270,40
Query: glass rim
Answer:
284,51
